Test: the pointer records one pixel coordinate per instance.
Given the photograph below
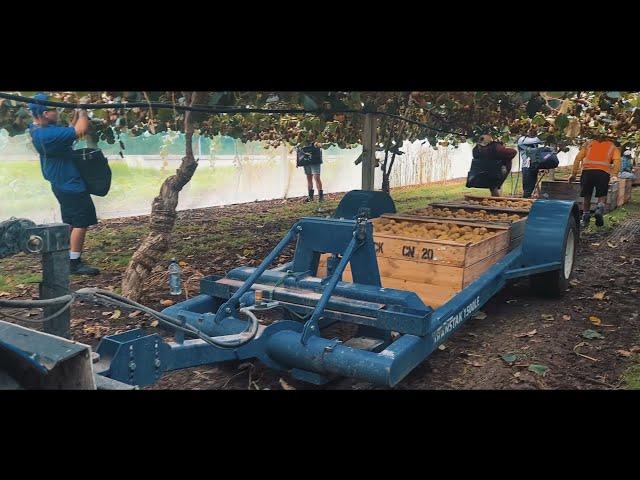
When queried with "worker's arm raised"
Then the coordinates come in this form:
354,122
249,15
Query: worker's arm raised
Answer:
577,162
82,123
616,162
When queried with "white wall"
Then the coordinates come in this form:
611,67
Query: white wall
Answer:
269,175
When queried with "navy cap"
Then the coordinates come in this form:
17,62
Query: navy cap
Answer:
36,109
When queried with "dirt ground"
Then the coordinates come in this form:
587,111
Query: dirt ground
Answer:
494,352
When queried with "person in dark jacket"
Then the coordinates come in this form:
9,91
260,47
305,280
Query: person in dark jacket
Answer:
529,172
310,158
495,159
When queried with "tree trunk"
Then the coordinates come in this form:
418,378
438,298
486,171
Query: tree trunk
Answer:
163,217
386,175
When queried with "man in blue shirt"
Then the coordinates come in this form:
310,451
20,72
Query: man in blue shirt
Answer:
54,144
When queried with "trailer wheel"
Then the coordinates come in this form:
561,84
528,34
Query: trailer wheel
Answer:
556,282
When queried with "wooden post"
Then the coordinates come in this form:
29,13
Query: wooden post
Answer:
369,151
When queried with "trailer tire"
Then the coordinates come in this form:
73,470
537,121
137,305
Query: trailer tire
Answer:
556,282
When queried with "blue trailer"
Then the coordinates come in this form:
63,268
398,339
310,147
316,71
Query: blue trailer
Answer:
396,330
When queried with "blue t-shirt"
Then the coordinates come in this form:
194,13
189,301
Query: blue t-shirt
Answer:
54,144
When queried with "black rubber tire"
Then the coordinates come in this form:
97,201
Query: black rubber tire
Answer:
554,284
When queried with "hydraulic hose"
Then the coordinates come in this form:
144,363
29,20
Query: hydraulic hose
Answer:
36,303
227,341
111,298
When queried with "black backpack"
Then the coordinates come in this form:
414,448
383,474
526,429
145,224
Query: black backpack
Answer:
94,170
542,158
310,155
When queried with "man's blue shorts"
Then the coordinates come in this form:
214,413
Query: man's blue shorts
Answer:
77,209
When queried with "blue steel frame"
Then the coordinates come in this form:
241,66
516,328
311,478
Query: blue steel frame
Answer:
296,346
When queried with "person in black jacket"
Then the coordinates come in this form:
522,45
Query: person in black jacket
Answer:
310,158
494,161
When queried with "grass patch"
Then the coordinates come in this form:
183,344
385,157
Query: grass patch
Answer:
632,376
620,214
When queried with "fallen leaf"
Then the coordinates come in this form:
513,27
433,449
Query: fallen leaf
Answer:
154,323
573,282
599,295
595,320
116,315
285,385
538,369
591,334
134,314
595,244
511,301
182,264
611,245
548,317
5,294
624,353
566,317
166,303
528,334
475,364
634,349
509,358
441,347
480,315
104,314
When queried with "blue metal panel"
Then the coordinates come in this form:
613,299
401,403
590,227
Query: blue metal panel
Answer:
378,203
41,351
133,357
322,235
545,232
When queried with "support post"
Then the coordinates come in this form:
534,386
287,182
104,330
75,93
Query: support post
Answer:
369,151
55,274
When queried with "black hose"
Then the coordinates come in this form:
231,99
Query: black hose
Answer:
41,320
36,303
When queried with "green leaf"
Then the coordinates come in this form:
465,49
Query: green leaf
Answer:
509,358
538,369
562,121
539,120
591,334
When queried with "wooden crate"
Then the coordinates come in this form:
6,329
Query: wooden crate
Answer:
516,227
434,269
563,190
516,201
624,190
560,190
612,198
466,204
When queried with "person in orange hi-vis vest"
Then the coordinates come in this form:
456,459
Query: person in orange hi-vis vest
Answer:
599,159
